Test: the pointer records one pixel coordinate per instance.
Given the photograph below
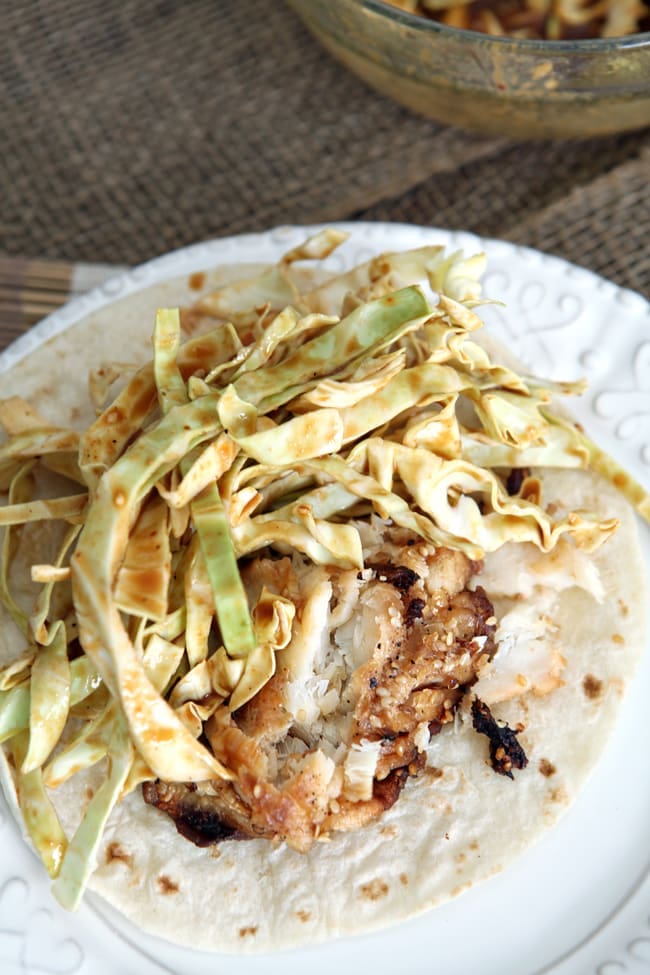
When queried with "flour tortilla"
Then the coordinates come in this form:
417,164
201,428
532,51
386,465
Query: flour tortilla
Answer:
455,825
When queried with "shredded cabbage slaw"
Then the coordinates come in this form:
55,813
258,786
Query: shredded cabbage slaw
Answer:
293,417
540,19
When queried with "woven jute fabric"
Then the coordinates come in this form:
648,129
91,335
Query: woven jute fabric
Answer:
131,128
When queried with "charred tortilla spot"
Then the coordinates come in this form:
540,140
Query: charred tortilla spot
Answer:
592,686
115,851
248,931
403,879
547,768
166,886
303,916
618,639
505,751
374,890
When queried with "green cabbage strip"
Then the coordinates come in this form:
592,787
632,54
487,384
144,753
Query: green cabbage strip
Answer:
303,524
560,444
370,376
346,341
15,702
309,435
272,288
208,512
199,602
105,440
143,578
324,548
39,815
161,661
14,711
83,751
67,509
35,443
418,386
171,627
49,698
213,528
18,416
170,385
437,430
259,352
41,611
317,247
16,670
599,461
90,745
79,859
446,490
385,502
162,740
453,274
207,468
561,447
19,490
237,302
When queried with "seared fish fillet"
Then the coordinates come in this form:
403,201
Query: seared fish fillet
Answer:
378,663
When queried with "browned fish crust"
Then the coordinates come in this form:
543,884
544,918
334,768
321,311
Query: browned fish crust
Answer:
431,636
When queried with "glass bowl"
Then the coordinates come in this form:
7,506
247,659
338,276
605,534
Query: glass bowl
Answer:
499,85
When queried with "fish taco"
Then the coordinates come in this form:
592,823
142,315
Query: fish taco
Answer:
316,613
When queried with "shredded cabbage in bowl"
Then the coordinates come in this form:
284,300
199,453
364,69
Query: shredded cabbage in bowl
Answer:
551,20
294,417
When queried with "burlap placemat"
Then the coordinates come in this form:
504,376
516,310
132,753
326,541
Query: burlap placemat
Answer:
132,128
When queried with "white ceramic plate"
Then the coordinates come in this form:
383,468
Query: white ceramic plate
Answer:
579,902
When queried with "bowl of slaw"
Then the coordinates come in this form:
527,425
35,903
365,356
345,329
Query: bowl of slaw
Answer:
546,83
